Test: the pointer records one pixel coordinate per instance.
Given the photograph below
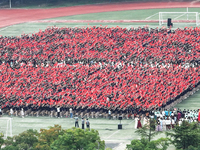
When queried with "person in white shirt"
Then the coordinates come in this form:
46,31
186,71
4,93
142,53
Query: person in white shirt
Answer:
180,122
11,112
71,114
58,111
163,114
145,121
163,125
173,123
168,124
0,112
136,121
22,113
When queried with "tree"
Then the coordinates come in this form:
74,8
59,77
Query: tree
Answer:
55,138
182,135
78,139
144,144
147,132
26,141
48,136
1,139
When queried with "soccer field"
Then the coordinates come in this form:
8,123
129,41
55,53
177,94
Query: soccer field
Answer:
145,15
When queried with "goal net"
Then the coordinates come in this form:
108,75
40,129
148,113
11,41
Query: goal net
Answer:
6,127
179,17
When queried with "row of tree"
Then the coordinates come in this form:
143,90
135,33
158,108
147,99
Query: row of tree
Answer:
54,138
186,136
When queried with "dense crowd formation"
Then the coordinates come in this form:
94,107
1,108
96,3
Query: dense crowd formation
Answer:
99,67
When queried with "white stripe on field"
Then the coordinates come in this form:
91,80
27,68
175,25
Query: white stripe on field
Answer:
3,29
118,130
150,16
179,16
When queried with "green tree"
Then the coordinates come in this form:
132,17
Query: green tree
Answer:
144,144
147,132
25,140
48,136
78,139
188,134
1,140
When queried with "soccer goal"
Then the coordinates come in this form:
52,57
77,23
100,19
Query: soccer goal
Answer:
179,17
6,126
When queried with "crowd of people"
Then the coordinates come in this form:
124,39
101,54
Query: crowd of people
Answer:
163,120
98,69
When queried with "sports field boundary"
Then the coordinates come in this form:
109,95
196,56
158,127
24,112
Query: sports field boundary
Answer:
107,21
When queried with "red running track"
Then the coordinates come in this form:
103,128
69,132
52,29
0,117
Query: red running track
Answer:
15,16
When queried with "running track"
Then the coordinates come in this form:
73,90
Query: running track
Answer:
15,16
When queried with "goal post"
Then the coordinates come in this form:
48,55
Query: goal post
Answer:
179,17
6,126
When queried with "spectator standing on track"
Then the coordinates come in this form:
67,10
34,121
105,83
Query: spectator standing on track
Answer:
76,121
87,124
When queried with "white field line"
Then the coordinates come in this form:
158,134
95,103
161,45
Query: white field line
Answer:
150,16
3,29
112,134
118,130
179,16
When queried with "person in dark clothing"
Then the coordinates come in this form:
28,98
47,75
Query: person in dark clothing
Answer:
87,124
76,121
83,123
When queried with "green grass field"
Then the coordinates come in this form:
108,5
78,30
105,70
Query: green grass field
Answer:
192,102
125,15
108,129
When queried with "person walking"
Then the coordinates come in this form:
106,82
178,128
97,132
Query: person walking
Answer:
83,123
76,121
87,124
